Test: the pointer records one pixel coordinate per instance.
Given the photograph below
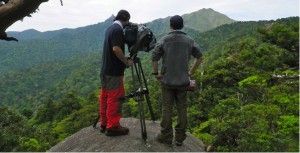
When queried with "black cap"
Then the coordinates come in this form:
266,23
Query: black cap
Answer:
123,15
176,22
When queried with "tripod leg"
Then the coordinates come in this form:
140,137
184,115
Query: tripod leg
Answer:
133,76
140,103
147,91
150,107
96,121
142,120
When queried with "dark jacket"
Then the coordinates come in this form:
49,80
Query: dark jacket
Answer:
111,65
175,49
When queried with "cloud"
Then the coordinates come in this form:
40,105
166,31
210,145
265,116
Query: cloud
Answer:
78,13
261,10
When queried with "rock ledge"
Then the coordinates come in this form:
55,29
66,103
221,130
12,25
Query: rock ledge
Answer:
90,139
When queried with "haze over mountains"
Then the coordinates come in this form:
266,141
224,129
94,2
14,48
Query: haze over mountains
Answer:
202,20
50,58
37,47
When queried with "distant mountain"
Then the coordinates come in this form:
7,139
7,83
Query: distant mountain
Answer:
205,20
27,34
45,47
36,47
34,34
201,21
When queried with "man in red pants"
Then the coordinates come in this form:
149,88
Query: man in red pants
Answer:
114,63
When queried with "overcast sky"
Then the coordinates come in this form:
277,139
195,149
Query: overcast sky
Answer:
79,13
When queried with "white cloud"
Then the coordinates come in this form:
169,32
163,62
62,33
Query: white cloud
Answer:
78,13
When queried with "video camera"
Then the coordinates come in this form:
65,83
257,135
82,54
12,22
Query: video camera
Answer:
139,38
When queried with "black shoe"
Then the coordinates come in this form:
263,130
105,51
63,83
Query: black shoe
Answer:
159,138
102,128
116,131
178,143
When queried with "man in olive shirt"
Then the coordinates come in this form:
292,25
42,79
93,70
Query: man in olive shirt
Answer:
175,49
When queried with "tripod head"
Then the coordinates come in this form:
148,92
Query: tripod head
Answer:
138,95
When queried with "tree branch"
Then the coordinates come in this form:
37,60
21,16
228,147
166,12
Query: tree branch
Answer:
15,10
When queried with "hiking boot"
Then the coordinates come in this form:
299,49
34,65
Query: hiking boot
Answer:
116,131
178,143
159,138
102,128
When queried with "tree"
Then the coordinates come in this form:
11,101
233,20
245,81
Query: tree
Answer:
12,127
14,10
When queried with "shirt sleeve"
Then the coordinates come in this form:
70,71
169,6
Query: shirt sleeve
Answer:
118,38
196,51
158,51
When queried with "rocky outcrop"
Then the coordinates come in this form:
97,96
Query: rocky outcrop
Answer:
90,139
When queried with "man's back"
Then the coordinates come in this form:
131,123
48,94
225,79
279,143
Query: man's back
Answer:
111,65
176,49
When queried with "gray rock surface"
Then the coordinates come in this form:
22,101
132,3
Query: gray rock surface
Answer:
90,139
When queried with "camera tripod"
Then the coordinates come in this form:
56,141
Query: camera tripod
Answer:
141,93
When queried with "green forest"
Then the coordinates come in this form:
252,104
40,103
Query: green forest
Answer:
247,96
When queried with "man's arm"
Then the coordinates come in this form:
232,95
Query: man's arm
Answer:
198,55
155,66
195,66
156,55
155,70
118,52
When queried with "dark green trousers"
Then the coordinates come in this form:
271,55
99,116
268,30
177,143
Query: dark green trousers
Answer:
174,96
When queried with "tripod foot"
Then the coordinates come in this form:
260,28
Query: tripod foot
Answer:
144,136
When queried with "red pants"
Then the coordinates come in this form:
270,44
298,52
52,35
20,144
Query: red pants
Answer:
110,105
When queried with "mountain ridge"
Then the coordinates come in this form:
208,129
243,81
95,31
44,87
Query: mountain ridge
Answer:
193,21
191,24
212,19
36,47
